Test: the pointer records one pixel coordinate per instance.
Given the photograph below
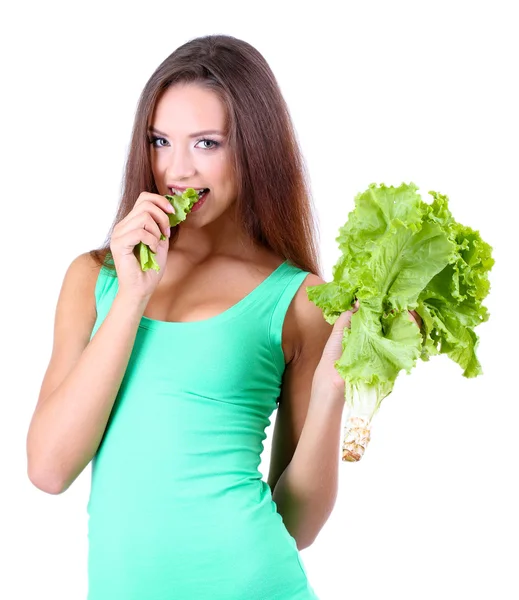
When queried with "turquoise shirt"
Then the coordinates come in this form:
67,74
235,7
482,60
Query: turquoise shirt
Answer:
178,509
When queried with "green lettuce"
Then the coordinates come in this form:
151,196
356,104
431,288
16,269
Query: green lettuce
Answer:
182,205
399,253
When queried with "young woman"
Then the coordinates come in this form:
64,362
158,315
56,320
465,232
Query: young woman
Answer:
167,380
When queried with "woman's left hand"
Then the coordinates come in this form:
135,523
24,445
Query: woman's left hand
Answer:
333,349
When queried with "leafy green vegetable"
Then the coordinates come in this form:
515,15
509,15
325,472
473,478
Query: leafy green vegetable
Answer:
398,254
182,205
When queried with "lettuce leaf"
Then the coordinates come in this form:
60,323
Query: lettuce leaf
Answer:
182,205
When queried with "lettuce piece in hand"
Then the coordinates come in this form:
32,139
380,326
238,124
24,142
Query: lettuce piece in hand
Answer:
399,254
182,204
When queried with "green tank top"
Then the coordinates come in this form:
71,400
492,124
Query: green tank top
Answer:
178,509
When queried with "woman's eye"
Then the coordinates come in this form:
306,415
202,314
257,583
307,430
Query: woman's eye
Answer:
154,140
214,144
158,142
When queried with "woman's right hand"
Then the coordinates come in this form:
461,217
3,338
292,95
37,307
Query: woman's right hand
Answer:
145,223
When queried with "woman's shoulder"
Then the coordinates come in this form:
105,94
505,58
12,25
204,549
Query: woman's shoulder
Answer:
305,313
88,263
84,270
304,325
76,306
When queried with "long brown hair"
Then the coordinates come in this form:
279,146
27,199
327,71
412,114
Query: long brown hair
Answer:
274,203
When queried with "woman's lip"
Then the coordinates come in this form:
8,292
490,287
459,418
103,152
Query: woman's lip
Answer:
199,203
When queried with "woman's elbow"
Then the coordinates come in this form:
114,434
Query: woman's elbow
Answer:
44,482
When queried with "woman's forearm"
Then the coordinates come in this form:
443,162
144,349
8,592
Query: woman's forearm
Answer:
306,491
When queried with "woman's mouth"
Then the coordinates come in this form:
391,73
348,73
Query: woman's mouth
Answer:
202,196
201,193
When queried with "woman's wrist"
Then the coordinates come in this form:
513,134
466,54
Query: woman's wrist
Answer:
133,306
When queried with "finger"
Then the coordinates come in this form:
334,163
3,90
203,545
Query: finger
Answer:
143,221
414,316
130,239
157,212
155,199
156,205
139,220
344,320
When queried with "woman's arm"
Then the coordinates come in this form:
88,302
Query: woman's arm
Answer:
305,456
306,491
81,381
307,437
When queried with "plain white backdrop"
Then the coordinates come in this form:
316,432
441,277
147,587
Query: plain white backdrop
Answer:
379,92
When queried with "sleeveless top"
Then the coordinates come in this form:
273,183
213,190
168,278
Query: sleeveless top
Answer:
178,509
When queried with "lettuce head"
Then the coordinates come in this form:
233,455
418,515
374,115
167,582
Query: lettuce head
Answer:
399,253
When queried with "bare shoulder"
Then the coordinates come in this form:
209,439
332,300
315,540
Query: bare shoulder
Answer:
308,329
76,306
87,262
83,272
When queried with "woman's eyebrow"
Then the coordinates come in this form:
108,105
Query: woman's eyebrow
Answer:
192,135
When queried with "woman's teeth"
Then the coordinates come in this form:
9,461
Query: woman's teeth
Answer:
179,193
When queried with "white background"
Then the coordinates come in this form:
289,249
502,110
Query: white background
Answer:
379,92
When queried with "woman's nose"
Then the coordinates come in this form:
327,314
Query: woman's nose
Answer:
181,165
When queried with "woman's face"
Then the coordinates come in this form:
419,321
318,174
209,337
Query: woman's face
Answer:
189,149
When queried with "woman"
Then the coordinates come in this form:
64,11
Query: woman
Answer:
167,380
